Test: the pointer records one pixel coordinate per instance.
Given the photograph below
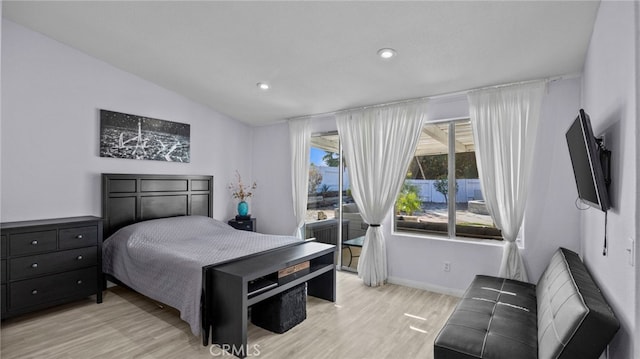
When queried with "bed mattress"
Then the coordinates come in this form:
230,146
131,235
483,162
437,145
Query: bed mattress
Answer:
163,258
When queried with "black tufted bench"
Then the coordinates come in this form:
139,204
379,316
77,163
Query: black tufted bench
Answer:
564,316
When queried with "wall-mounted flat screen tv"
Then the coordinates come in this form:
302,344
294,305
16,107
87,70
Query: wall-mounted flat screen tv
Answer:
590,161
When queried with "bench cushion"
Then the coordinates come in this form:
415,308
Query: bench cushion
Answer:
496,318
574,320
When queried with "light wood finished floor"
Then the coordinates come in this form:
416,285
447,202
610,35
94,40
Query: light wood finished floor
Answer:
385,322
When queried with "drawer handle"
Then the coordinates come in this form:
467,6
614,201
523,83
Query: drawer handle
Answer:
79,281
79,236
34,242
34,265
79,258
34,292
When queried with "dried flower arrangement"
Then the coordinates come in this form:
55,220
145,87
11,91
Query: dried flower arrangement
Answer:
239,190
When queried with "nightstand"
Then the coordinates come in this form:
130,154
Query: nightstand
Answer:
244,224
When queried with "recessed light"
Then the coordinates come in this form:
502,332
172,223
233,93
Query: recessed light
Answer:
263,86
386,53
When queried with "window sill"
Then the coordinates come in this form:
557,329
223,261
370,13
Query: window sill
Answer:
465,240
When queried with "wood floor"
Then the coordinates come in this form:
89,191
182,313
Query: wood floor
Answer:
386,322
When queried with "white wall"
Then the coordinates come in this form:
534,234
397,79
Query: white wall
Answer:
610,98
552,218
51,95
273,203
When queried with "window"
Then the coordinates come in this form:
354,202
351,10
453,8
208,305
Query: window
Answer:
441,194
324,178
330,202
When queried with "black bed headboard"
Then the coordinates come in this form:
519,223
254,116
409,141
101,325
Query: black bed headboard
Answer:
131,198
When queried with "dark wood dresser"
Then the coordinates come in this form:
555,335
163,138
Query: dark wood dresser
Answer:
49,262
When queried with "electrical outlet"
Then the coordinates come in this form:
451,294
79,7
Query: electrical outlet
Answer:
446,266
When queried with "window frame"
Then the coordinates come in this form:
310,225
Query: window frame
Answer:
340,265
451,234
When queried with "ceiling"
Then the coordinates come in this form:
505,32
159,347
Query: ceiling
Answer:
319,57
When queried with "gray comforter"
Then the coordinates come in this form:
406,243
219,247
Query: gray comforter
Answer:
163,258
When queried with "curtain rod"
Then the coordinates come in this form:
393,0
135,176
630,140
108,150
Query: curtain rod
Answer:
434,97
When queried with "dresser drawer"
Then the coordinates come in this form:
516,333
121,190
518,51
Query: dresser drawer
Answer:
78,237
43,290
32,242
41,264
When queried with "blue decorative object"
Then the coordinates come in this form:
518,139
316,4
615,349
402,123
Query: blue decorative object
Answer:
243,208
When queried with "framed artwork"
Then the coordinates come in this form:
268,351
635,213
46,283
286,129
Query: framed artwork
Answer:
142,138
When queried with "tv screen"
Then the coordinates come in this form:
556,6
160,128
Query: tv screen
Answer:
585,153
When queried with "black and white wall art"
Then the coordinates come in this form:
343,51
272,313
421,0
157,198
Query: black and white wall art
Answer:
142,138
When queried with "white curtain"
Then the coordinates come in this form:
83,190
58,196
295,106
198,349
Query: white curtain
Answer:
300,138
378,144
505,122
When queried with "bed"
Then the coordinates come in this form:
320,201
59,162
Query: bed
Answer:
161,240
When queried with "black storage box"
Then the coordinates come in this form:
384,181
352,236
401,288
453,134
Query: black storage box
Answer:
282,311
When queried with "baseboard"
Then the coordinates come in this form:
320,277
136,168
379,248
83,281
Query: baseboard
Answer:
425,286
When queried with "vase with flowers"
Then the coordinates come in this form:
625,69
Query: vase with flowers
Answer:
241,191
